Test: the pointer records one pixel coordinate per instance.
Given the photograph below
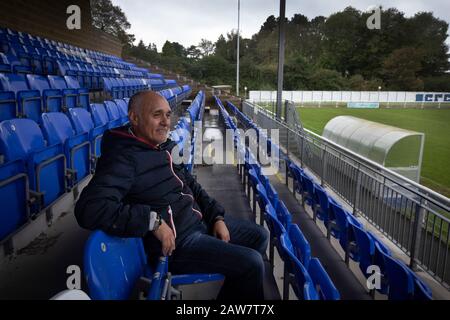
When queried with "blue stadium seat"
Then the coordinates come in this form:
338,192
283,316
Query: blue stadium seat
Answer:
114,115
115,267
70,96
29,102
262,199
320,204
322,282
347,238
14,195
8,107
82,122
83,100
77,148
276,231
100,115
283,214
51,98
46,167
5,66
404,284
307,189
295,273
123,107
301,247
296,174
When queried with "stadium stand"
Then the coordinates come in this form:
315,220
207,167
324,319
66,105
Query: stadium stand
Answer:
50,133
304,273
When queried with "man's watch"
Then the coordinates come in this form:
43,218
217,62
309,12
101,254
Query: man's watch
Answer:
155,221
219,218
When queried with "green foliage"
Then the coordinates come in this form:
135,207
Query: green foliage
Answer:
111,19
334,53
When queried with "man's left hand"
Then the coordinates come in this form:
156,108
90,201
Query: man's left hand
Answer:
220,231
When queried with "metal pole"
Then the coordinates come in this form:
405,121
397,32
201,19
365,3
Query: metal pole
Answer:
281,41
237,55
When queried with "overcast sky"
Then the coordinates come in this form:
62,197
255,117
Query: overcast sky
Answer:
188,21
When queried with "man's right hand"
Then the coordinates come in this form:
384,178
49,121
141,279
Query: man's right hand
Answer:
167,238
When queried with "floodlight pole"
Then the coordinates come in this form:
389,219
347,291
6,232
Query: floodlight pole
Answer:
281,42
237,55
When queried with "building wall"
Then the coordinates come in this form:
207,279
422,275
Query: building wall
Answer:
47,18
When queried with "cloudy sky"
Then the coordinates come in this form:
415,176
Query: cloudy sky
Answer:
188,21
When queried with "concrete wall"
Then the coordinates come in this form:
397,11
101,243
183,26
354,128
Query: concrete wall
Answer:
47,18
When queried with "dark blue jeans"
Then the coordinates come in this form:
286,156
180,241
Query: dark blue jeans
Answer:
240,260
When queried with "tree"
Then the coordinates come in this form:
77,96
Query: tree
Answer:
111,19
206,47
429,34
401,68
297,74
325,79
193,53
173,49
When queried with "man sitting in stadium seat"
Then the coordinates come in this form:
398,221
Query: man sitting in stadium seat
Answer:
137,191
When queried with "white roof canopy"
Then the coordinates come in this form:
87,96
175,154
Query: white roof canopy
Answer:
395,148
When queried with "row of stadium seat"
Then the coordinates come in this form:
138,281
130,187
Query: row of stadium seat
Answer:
311,280
42,160
399,281
24,53
46,163
31,95
42,55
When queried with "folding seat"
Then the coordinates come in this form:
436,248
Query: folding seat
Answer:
295,273
82,122
320,204
296,174
83,93
122,104
84,75
271,192
114,114
45,165
70,96
77,149
403,283
119,90
21,52
117,269
347,238
36,59
51,98
300,245
5,66
8,106
91,73
28,101
109,87
283,214
100,115
322,282
307,189
14,196
369,255
48,62
128,88
276,230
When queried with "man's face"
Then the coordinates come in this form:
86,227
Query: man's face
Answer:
153,121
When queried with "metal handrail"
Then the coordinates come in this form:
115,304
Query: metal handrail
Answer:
437,198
